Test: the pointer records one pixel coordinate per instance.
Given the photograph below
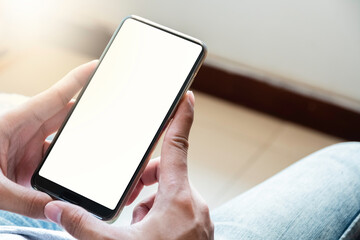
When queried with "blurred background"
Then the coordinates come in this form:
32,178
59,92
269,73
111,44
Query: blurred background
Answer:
306,48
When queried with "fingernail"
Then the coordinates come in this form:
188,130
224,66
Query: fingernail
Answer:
191,97
53,213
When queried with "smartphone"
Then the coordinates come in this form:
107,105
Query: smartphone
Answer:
101,149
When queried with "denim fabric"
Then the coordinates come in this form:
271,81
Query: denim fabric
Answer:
29,233
316,198
17,227
13,219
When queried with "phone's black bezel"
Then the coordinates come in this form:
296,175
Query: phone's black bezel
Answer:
59,192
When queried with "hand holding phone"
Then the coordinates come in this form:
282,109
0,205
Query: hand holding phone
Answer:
23,131
99,153
176,211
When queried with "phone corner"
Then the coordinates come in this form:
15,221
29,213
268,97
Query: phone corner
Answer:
204,48
134,17
111,219
33,181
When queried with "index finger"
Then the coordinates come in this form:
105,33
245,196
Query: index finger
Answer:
48,103
148,177
173,164
19,199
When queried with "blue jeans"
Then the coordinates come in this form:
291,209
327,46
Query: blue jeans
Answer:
316,198
12,219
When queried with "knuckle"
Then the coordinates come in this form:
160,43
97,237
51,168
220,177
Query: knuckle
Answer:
184,200
200,230
204,209
208,225
63,98
37,118
203,229
76,220
179,142
198,215
34,206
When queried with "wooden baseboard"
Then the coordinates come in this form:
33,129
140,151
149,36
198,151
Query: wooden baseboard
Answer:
279,102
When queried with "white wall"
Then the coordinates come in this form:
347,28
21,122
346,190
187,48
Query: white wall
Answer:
312,46
309,45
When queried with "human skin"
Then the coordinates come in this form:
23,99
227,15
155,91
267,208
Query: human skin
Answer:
175,211
23,131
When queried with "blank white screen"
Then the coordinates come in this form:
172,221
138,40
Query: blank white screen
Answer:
120,112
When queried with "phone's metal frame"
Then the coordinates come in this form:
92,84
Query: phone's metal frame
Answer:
142,165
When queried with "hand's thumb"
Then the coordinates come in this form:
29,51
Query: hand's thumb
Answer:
76,221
